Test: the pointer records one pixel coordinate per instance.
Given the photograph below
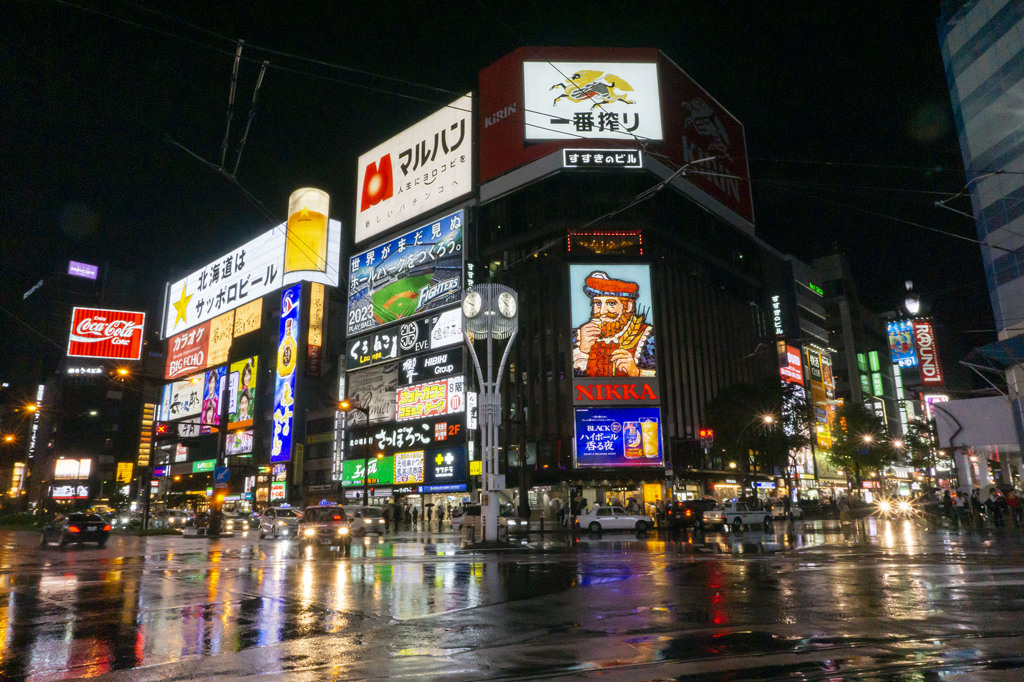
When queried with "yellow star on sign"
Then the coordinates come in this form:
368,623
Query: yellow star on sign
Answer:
182,307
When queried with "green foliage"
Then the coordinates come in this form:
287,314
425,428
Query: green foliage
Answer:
766,422
861,442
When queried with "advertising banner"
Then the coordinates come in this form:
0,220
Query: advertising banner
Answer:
83,270
284,389
242,392
124,472
419,271
791,367
445,466
243,276
390,438
352,472
204,466
71,469
186,352
316,329
110,334
601,158
213,392
613,320
901,343
374,389
431,399
417,171
618,437
573,100
439,365
277,491
415,336
928,353
248,318
181,399
239,442
409,467
221,333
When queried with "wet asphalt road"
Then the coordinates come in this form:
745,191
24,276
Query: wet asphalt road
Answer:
879,600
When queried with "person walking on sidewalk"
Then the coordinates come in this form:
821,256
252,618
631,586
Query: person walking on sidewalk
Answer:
440,517
415,516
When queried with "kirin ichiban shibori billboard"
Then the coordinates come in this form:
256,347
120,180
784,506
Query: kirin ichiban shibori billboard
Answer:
416,272
246,274
417,171
107,334
618,436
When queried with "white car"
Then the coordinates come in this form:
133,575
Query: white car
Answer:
280,522
736,515
171,518
363,520
601,517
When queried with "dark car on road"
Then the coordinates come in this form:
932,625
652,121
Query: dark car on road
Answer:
76,529
687,513
325,526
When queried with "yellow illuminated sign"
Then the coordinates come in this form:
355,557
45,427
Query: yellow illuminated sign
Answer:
221,331
476,468
248,317
124,472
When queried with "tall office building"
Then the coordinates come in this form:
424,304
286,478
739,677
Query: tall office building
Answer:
982,45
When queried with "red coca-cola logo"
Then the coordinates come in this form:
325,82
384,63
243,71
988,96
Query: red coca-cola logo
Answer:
115,334
119,332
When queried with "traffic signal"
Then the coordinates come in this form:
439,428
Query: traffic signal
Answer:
163,429
707,438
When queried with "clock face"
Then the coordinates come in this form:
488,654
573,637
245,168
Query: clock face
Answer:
471,304
507,304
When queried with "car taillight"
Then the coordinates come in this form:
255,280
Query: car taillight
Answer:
73,529
689,512
106,527
337,518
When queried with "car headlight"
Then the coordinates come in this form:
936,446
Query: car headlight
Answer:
280,523
885,506
308,532
903,506
343,531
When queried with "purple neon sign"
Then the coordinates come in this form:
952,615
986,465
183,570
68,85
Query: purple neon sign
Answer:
76,269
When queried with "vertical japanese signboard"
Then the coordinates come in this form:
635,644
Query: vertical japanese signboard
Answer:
316,329
287,360
924,337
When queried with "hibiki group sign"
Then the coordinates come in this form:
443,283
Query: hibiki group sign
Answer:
418,170
411,274
111,334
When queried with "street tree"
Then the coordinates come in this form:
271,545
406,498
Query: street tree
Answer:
861,442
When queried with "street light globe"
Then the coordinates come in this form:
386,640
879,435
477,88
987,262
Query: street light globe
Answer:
768,419
868,438
732,465
898,444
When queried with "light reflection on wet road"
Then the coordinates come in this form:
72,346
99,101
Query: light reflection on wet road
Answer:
884,600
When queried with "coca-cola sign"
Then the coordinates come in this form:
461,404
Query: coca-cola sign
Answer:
927,354
113,334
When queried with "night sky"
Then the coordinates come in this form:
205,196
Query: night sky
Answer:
848,124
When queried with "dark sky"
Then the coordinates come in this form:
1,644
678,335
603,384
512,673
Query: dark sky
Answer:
847,117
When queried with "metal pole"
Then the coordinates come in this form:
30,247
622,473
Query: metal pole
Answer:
366,451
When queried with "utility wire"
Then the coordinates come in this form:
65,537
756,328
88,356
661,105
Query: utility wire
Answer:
231,104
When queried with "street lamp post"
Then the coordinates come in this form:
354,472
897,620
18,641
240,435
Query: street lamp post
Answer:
348,406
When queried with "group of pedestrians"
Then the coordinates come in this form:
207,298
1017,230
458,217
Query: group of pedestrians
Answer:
998,509
398,514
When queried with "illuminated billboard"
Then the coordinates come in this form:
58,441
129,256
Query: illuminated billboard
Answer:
409,467
71,469
108,334
374,389
535,102
83,270
613,321
901,343
381,471
213,393
243,276
414,273
928,352
417,171
242,392
202,346
591,100
414,336
790,364
431,399
284,388
317,301
618,437
181,399
239,442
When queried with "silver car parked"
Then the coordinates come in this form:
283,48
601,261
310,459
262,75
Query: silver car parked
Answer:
363,520
279,522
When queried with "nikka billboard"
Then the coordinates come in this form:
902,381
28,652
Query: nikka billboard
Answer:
107,334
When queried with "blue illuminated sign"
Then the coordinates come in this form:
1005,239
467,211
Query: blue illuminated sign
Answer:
449,488
618,437
901,343
287,360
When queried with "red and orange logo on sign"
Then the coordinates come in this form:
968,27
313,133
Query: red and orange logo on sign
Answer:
378,183
112,334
